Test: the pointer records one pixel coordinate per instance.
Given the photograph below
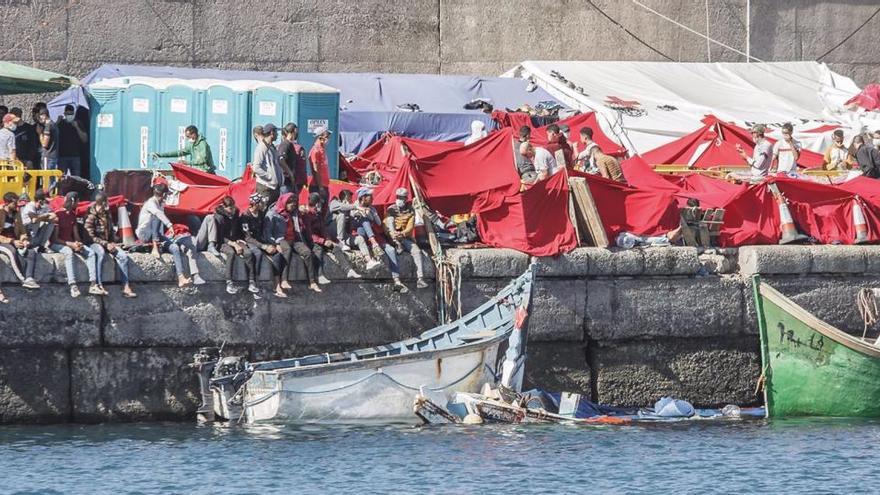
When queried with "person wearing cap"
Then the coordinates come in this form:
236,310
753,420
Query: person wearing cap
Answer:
196,148
14,242
67,241
762,155
320,165
7,138
102,236
400,223
266,166
253,227
39,221
27,142
362,220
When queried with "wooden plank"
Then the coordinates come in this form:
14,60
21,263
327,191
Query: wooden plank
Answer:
586,207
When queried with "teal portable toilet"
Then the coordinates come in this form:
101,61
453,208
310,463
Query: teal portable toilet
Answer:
179,107
226,128
139,119
267,107
105,143
311,106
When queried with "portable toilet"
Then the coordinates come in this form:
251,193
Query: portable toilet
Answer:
139,121
105,138
179,106
227,110
267,107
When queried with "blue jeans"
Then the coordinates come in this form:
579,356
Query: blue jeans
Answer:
69,165
179,248
152,233
68,253
408,246
50,164
121,260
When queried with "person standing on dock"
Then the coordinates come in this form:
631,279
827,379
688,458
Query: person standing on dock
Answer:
868,156
320,165
266,166
196,148
762,155
7,138
72,138
292,159
786,152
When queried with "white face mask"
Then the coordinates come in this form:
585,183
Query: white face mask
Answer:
400,203
68,118
13,127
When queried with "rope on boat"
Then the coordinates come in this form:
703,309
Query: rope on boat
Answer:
448,274
868,309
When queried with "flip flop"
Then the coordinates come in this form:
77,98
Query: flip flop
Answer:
4,299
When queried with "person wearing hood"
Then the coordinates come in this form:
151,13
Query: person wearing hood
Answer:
230,238
99,227
72,138
196,148
66,239
362,220
289,231
478,131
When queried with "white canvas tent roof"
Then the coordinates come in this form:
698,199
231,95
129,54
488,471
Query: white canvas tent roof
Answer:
667,100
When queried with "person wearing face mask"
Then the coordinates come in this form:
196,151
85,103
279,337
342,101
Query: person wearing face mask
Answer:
14,242
49,141
66,240
400,222
196,148
101,235
7,138
72,137
837,155
27,142
868,156
253,227
786,152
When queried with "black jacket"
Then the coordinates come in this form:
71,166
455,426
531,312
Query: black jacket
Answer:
869,160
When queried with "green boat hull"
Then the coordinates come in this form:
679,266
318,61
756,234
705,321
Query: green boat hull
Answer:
811,368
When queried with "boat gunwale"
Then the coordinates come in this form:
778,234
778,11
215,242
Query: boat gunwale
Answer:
816,323
318,369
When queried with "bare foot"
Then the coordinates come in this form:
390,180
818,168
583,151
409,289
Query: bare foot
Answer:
156,253
286,285
315,288
183,281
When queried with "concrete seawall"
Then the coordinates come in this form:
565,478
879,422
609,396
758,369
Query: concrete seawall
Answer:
624,327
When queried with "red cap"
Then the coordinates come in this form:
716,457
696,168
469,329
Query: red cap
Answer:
10,117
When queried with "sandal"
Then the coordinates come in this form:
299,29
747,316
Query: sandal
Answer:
129,294
3,298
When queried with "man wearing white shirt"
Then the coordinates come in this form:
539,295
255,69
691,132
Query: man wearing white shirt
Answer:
761,157
786,152
545,164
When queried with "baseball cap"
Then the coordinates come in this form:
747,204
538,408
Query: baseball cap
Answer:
269,129
364,191
321,130
401,192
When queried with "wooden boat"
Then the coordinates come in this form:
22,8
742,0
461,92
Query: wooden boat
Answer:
809,367
377,383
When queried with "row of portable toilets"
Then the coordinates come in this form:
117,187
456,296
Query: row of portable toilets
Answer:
133,117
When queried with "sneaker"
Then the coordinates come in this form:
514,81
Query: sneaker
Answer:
93,290
421,284
213,249
352,274
315,288
399,287
231,288
323,280
332,256
74,291
372,264
183,281
280,294
253,289
30,283
257,297
198,280
346,248
377,251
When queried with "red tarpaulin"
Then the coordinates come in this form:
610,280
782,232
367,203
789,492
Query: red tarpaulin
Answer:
712,193
535,222
82,208
205,191
514,120
869,98
575,124
714,145
189,175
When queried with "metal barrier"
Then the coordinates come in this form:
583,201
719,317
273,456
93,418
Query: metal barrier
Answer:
15,178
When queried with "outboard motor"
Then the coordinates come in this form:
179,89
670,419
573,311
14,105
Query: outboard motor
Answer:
204,363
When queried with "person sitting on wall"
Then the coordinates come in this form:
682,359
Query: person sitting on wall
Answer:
66,240
252,223
230,238
101,235
196,148
15,244
284,228
340,216
322,245
363,218
39,221
400,226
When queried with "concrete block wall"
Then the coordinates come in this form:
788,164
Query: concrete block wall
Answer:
624,327
425,36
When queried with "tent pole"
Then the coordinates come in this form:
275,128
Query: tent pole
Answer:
748,31
708,43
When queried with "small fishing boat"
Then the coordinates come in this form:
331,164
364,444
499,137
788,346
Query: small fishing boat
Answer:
377,383
809,367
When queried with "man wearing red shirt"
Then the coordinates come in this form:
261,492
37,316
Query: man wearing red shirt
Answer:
320,166
66,240
558,146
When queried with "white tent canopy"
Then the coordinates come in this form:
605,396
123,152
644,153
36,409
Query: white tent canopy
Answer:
647,104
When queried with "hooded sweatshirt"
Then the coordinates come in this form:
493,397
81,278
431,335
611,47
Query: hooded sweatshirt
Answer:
478,131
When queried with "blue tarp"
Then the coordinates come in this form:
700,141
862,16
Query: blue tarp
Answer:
369,101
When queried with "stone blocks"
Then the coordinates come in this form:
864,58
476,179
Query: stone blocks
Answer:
34,386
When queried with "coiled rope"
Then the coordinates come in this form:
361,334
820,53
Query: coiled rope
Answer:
868,309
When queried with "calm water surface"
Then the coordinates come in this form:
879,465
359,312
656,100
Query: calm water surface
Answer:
815,456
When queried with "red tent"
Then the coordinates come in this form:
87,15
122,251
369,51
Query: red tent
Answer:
714,145
575,124
386,155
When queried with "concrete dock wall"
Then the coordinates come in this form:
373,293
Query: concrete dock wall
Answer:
623,327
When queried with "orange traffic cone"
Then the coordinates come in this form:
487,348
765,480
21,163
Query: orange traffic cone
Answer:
859,222
125,230
786,221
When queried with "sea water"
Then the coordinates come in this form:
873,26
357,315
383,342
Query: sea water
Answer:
757,456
